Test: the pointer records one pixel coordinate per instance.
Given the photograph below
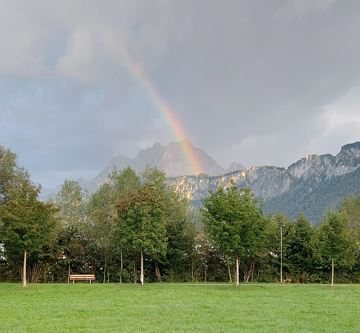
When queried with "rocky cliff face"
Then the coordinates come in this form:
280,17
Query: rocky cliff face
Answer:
323,167
169,158
275,185
266,182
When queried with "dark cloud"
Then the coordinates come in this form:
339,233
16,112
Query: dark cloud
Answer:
260,82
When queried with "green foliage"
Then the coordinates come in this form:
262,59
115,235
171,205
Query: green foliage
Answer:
143,216
350,210
71,203
27,223
335,242
11,175
300,249
235,222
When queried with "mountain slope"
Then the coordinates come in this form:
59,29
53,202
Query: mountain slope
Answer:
169,158
328,195
235,166
311,185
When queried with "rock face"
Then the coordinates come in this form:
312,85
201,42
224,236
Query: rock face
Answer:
266,182
169,158
311,185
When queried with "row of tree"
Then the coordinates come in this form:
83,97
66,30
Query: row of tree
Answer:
137,224
239,229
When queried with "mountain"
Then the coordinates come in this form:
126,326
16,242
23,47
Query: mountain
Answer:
235,166
169,158
311,185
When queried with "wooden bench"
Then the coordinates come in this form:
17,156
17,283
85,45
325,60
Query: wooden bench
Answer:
82,277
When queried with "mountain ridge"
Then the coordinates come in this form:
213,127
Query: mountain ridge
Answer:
298,188
170,158
284,189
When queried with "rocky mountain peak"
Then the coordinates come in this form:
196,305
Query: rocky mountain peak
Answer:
351,150
235,166
169,158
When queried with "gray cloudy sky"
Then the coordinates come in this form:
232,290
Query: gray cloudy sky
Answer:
260,82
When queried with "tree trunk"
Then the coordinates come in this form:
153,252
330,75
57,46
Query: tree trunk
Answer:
157,272
69,274
135,275
34,273
142,269
229,270
192,270
121,265
205,273
252,271
24,270
104,279
332,272
237,272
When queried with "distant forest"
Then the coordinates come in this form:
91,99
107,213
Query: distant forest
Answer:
314,204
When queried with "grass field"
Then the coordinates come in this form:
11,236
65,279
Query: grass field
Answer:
179,308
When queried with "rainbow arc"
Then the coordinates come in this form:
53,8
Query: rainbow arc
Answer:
167,112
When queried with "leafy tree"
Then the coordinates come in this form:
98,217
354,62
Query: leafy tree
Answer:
124,183
180,231
350,210
142,217
235,223
11,174
335,243
276,224
103,214
71,202
28,223
300,248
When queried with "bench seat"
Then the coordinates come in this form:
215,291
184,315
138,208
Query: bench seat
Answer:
82,277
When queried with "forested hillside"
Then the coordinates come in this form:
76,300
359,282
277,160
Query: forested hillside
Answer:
314,202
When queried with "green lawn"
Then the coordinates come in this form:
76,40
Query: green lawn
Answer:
179,308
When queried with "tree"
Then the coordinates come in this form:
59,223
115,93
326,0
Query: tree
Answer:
235,223
142,217
124,183
71,202
28,223
277,246
102,213
350,210
10,173
180,231
300,248
336,244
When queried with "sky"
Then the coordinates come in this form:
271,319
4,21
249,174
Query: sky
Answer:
261,82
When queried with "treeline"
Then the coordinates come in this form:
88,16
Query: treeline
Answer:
136,228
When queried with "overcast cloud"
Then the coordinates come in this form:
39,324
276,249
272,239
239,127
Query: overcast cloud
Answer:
259,82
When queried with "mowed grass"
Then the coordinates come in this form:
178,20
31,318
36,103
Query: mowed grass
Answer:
179,308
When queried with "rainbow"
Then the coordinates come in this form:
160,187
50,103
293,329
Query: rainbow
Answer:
164,108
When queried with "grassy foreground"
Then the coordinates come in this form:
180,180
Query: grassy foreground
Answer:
179,308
